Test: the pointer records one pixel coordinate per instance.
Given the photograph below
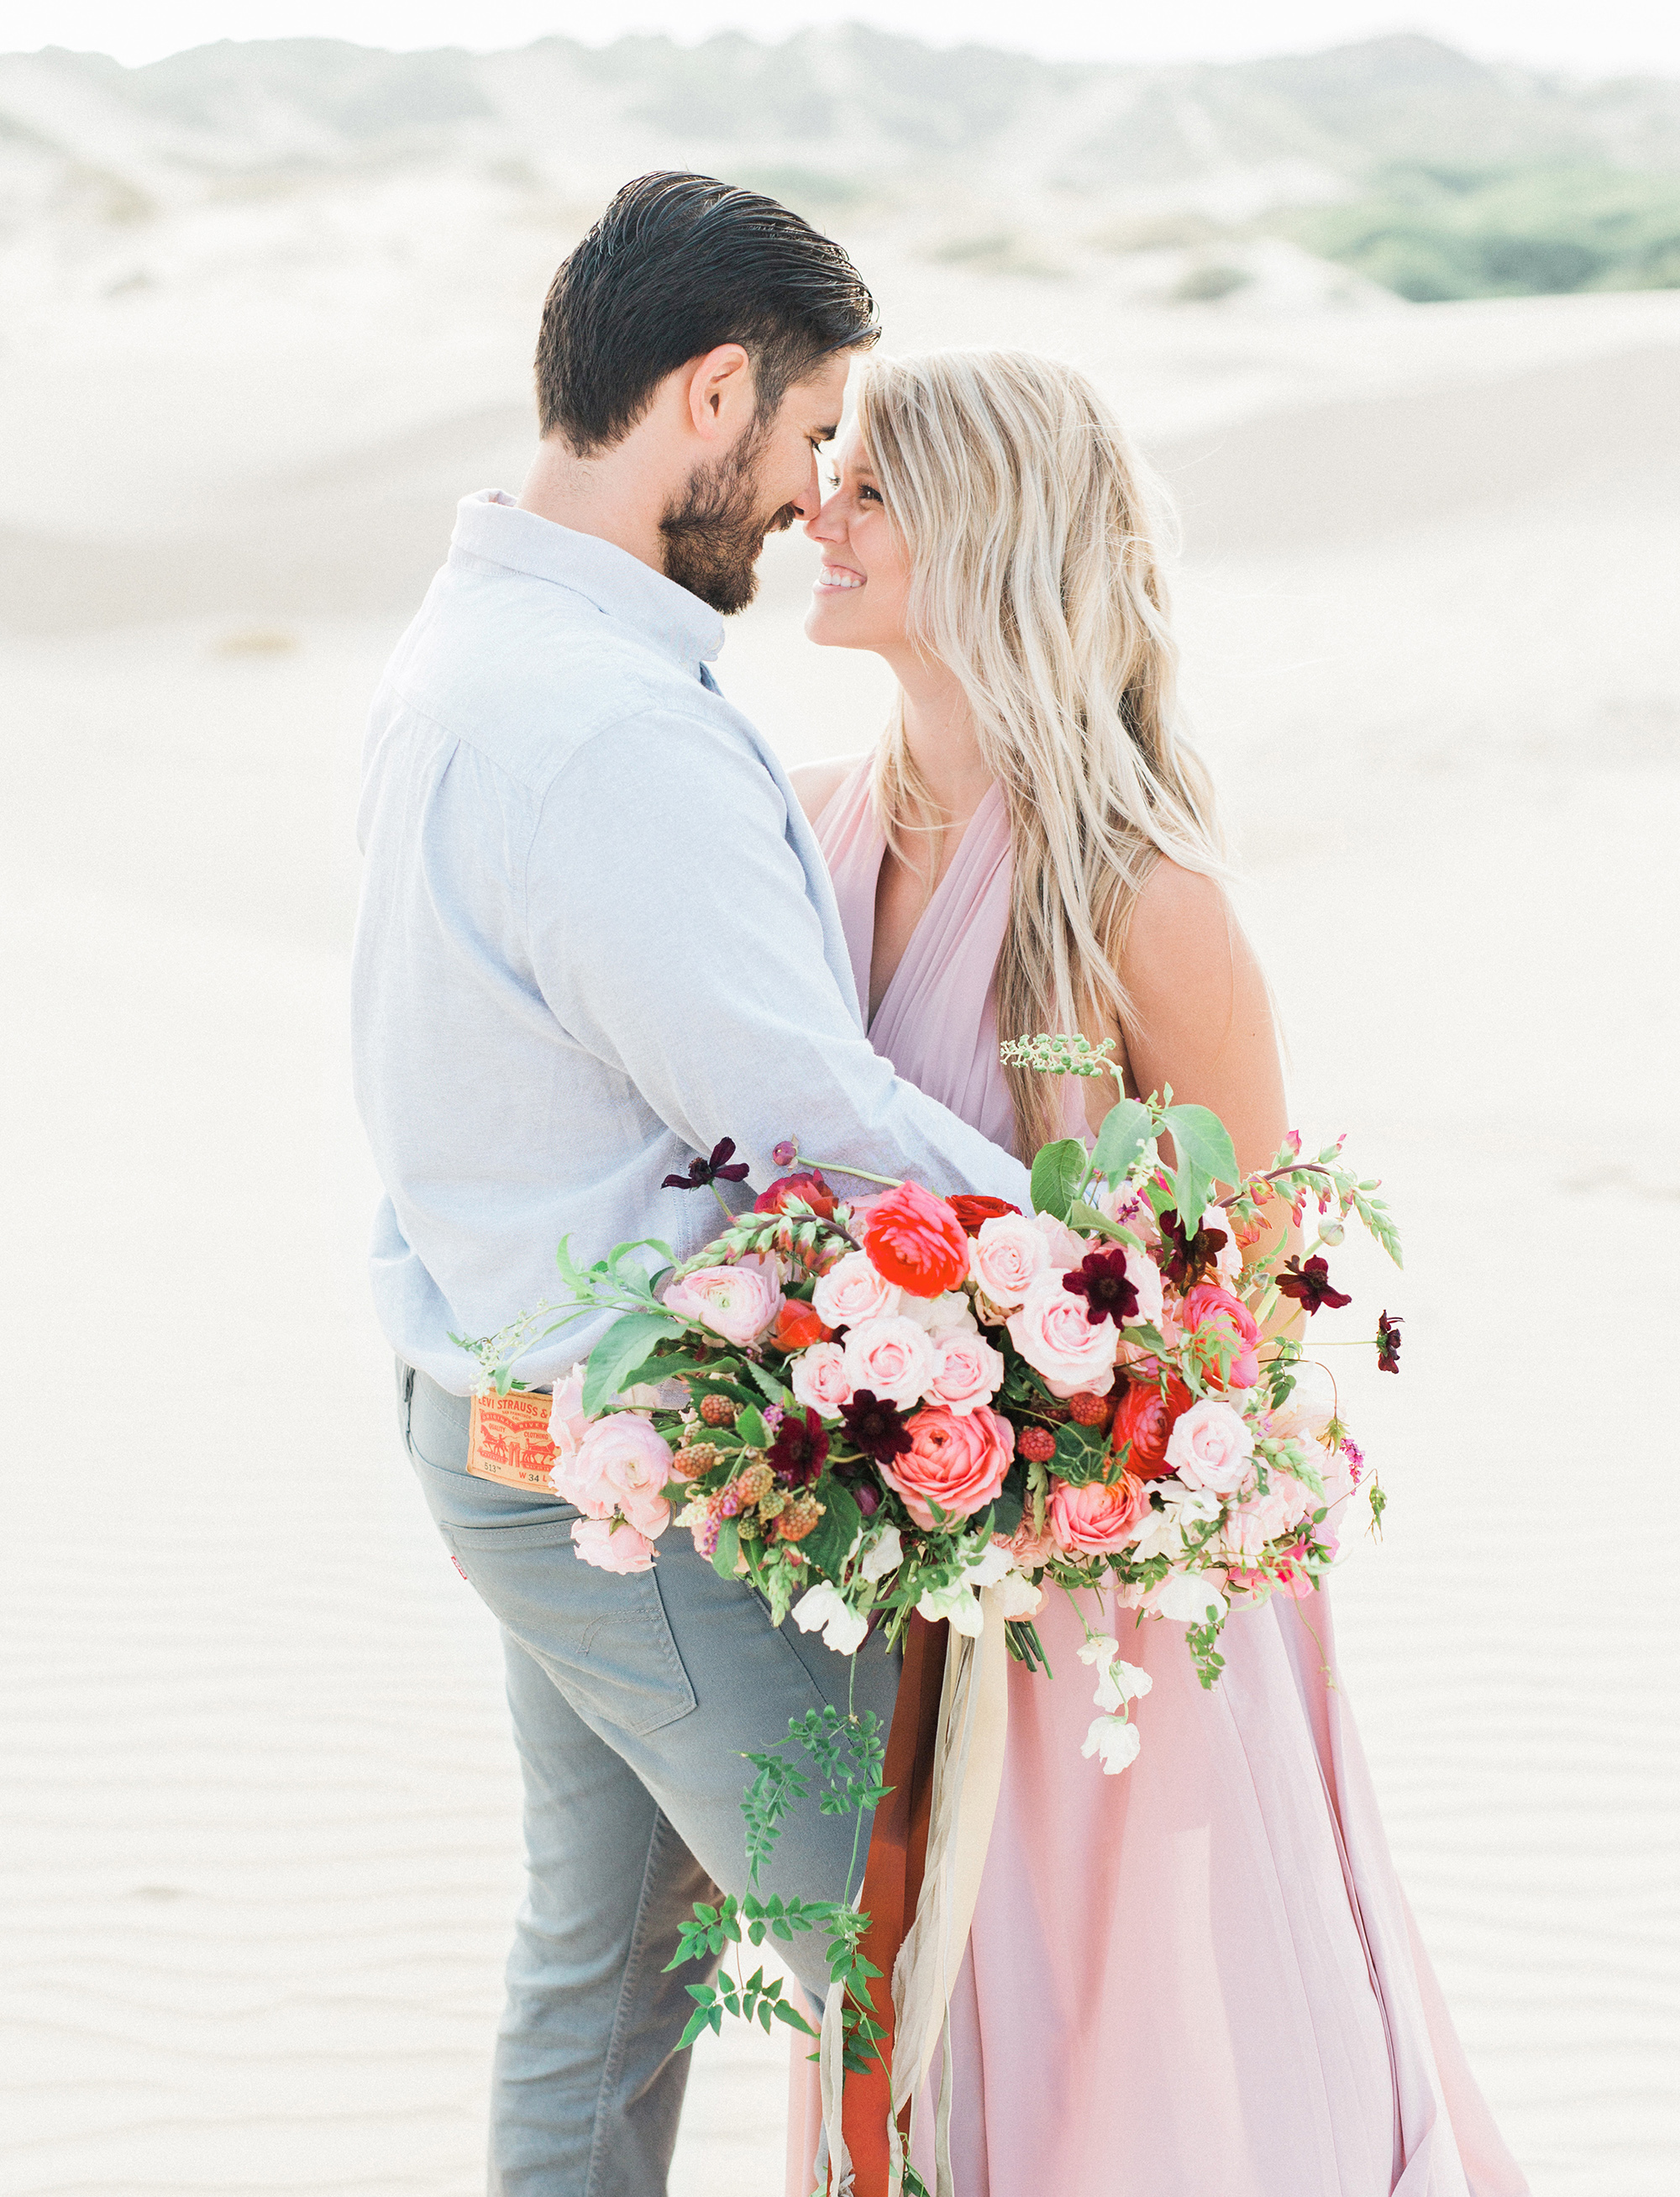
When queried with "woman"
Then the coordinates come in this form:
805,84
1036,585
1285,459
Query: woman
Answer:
1199,1979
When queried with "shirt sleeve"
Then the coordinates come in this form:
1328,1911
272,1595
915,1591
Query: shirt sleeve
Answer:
672,933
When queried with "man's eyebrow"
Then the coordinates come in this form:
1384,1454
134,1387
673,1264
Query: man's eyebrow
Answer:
824,434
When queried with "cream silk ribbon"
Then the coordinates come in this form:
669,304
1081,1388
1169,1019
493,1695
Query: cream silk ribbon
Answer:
967,1777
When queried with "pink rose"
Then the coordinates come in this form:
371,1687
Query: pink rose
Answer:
892,1359
1062,1245
1210,1446
623,1463
1004,1257
737,1302
1031,1551
955,1460
852,1291
1052,1334
1259,1519
966,1372
1101,1515
1145,1277
611,1548
1213,1315
819,1380
567,1424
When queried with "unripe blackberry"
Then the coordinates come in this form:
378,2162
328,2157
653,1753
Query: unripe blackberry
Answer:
1037,1445
691,1461
799,1518
718,1411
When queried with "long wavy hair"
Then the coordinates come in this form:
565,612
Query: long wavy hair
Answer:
1032,528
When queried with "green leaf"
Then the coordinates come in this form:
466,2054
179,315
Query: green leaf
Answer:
1126,1130
751,1429
1199,1138
622,1351
1059,1174
728,1550
828,1541
768,1382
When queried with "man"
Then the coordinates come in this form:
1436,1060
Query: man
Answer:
596,938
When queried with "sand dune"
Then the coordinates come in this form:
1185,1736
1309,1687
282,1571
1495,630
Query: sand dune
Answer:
260,1835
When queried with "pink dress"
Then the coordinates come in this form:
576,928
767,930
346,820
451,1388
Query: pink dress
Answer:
1199,1978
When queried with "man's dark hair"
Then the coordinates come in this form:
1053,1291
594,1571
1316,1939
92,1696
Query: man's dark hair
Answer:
676,265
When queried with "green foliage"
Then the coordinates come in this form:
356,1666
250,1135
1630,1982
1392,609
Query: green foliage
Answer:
1437,233
622,1352
1126,1129
1205,1157
1058,1176
828,1541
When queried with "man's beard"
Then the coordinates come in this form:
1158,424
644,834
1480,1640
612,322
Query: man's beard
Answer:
715,531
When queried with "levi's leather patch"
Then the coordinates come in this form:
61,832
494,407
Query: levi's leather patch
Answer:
509,1440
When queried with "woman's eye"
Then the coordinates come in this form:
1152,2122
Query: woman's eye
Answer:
873,495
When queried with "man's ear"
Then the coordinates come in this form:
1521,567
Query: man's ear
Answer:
721,394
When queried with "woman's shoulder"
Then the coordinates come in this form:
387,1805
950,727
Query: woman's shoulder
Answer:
816,784
1182,932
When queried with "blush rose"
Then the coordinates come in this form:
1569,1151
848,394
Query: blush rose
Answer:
1005,1258
1210,1446
737,1303
852,1291
623,1463
894,1359
611,1548
1053,1334
966,1372
819,1380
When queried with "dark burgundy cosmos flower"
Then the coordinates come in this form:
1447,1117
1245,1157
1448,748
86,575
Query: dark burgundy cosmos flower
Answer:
1192,1256
876,1426
800,1450
1310,1285
715,1170
1101,1280
1388,1343
972,1210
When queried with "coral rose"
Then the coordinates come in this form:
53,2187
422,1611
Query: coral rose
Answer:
956,1460
892,1359
811,1187
1210,1446
916,1240
611,1548
1006,1257
852,1290
1100,1516
798,1325
737,1303
1216,1318
1143,1420
819,1380
1054,1335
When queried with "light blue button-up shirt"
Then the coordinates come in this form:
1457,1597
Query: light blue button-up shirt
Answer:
596,936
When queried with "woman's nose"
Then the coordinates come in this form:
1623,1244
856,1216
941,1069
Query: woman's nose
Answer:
827,526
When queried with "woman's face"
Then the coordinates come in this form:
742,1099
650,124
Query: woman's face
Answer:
862,592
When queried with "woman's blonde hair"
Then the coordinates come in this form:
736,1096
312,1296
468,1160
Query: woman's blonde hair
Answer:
1036,579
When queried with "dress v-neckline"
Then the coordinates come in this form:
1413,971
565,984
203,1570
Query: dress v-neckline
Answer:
992,794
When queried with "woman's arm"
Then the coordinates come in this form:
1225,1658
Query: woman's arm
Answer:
1202,1020
816,784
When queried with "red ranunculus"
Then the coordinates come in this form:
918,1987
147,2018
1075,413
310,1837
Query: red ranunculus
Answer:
797,1326
914,1240
810,1186
1144,1419
971,1209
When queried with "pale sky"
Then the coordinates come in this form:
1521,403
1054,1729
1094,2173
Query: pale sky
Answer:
1600,38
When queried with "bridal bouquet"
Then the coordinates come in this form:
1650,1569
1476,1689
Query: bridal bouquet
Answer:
890,1403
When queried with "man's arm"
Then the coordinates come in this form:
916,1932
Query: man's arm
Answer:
672,934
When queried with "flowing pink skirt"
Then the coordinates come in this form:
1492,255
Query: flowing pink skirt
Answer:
1201,1978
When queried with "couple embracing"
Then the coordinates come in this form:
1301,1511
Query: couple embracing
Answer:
602,930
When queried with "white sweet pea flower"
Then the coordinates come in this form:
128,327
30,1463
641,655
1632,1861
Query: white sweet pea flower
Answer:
990,1566
1116,1741
886,1555
1118,1683
949,1314
1158,1534
957,1605
1191,1597
821,1607
1100,1647
1018,1597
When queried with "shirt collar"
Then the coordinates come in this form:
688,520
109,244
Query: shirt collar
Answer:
491,525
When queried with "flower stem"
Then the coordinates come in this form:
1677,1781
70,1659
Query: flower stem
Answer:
858,1174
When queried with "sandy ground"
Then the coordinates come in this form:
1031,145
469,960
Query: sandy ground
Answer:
260,1847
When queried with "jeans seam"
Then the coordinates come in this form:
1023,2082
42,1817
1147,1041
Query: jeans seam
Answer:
615,2048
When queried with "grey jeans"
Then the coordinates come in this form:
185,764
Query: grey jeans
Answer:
634,1699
